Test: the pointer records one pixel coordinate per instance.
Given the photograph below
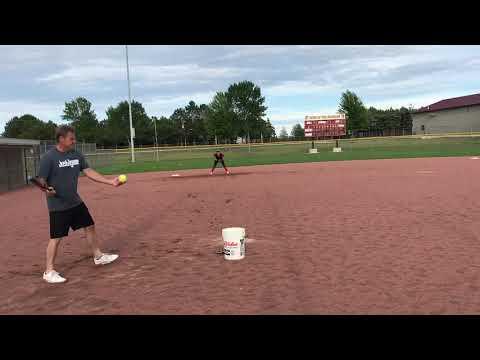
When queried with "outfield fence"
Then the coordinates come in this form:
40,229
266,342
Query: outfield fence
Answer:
33,157
105,158
46,145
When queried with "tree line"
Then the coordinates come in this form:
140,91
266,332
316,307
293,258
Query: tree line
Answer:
362,119
239,112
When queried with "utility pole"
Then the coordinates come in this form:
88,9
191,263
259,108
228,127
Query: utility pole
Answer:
248,133
184,133
132,145
156,139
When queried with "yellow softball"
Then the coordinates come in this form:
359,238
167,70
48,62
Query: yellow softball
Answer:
122,178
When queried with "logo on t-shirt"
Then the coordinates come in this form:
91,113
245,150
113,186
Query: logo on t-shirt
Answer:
68,163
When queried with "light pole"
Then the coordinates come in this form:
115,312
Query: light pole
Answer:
248,132
184,133
156,139
130,107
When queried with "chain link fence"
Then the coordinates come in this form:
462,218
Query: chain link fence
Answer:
33,156
380,133
84,148
32,161
110,159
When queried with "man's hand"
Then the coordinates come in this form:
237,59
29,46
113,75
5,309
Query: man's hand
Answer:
115,182
42,184
50,191
95,176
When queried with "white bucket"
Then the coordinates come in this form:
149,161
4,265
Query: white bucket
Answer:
234,240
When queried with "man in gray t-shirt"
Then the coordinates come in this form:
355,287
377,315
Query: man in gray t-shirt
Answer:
59,171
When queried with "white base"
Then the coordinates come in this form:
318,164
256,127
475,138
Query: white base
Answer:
337,149
313,151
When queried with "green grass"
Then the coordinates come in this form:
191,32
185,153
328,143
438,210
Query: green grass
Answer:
357,149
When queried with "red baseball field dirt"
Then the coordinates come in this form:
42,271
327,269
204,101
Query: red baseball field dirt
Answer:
361,237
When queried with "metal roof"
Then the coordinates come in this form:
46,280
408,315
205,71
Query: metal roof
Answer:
453,103
18,142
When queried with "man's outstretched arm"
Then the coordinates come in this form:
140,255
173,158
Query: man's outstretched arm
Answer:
95,176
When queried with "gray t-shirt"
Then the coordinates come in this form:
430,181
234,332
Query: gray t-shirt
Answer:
61,170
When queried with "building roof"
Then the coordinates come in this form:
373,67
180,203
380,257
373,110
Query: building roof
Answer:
18,142
453,103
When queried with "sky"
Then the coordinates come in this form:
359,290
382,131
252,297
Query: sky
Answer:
295,80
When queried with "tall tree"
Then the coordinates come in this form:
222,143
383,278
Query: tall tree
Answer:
182,126
166,131
389,119
117,124
220,119
352,106
283,134
47,131
248,105
269,130
200,124
103,137
80,115
406,121
298,133
29,127
196,122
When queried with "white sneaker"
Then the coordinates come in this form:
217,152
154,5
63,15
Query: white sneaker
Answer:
53,277
105,259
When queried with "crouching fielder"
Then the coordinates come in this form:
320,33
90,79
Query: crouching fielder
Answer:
219,159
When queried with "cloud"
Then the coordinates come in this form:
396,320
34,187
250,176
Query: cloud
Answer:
98,70
294,79
142,75
414,101
292,88
253,51
166,105
43,111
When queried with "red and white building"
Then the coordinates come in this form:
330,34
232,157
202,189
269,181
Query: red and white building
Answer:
455,115
325,126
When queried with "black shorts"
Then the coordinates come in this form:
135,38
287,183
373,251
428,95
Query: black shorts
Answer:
75,218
